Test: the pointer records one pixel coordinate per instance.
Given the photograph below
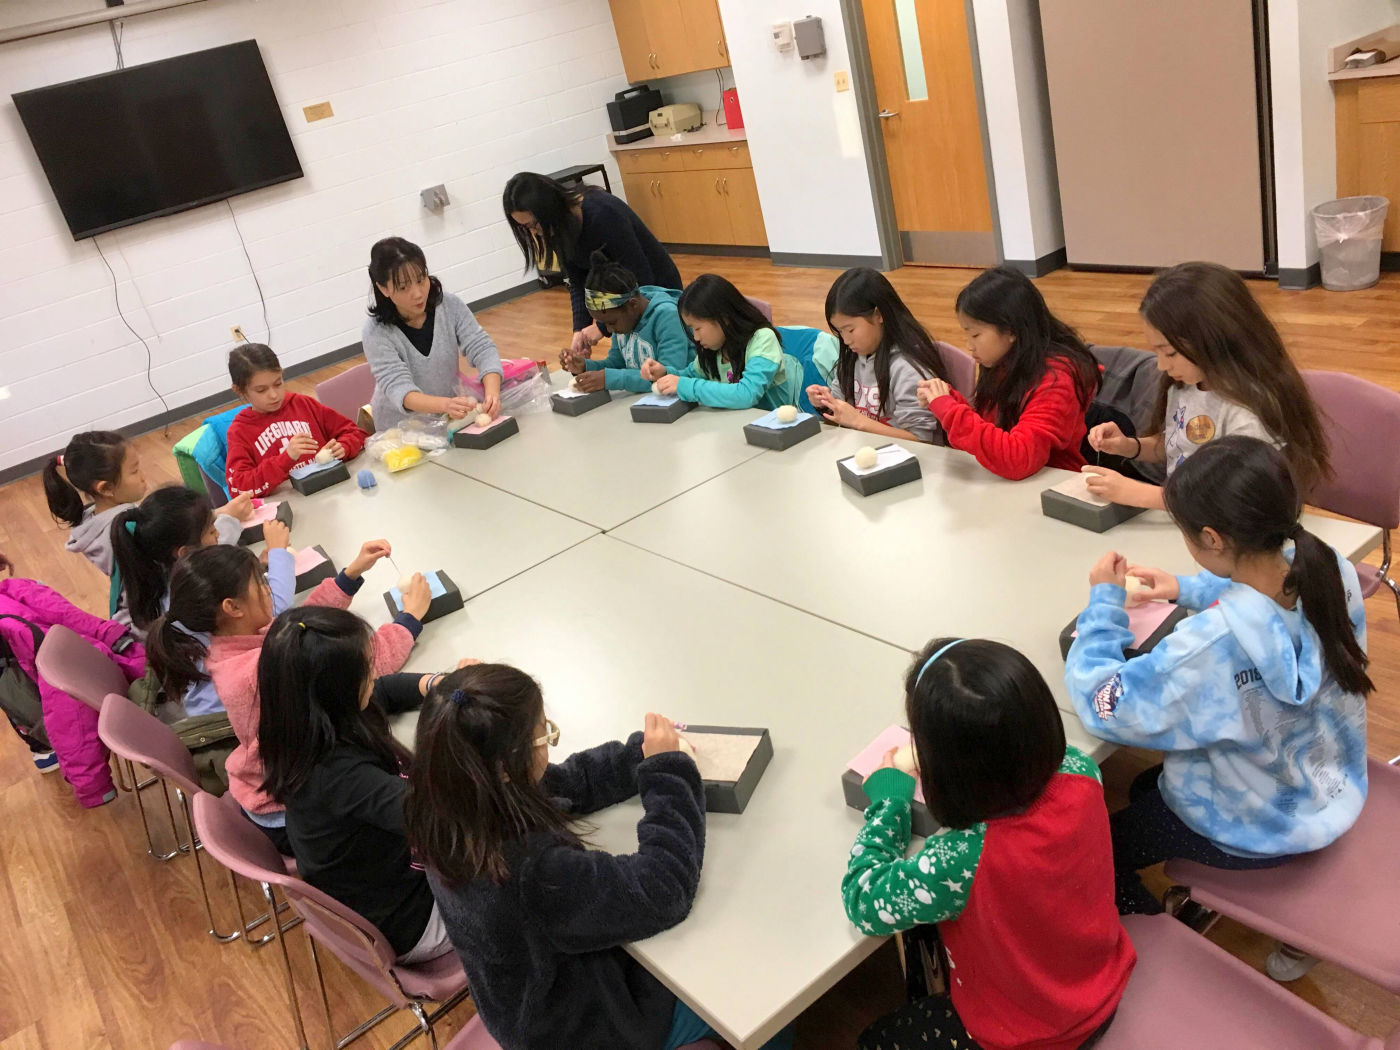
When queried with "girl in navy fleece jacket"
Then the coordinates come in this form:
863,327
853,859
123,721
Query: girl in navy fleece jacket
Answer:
538,920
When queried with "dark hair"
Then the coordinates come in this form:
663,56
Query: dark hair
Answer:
314,667
712,298
145,542
1244,489
397,261
91,457
248,359
986,730
859,292
472,788
1206,313
552,205
199,584
1006,299
604,275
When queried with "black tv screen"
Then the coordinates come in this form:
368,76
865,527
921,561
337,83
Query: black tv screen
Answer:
159,138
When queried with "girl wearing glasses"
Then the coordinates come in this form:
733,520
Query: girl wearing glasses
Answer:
538,920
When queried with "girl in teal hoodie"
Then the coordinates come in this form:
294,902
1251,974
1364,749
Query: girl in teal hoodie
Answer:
643,325
739,361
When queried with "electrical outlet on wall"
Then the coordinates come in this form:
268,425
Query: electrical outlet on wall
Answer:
843,81
237,332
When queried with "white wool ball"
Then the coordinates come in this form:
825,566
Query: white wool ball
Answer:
1134,584
484,419
656,387
573,383
787,414
405,583
324,456
904,759
866,457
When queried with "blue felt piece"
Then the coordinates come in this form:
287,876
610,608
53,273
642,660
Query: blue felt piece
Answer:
771,422
365,479
435,588
660,400
305,470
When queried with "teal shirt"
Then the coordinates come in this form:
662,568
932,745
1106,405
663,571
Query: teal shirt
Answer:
659,334
771,378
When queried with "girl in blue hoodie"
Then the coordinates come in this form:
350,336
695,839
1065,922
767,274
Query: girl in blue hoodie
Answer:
1258,700
642,324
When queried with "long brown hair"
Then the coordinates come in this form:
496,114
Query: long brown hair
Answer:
472,790
1205,311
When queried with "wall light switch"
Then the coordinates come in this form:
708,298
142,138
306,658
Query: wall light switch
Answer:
434,198
320,111
843,81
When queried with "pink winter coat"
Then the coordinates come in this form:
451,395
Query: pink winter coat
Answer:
70,724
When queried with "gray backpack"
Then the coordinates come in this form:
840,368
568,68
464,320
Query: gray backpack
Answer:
19,694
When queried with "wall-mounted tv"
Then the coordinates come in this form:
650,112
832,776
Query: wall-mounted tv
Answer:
159,138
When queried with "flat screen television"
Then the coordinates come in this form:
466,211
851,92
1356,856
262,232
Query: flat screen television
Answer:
159,138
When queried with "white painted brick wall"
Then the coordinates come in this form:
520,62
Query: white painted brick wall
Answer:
462,92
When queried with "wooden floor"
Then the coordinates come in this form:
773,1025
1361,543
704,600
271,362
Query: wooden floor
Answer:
103,947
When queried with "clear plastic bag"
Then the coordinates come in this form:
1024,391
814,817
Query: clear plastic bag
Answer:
401,447
524,387
429,433
1349,235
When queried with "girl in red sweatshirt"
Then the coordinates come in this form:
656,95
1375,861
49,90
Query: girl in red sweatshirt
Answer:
1019,882
278,429
1035,381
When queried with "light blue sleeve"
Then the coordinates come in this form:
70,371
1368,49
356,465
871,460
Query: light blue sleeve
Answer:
281,578
616,374
1200,591
1173,698
746,393
673,347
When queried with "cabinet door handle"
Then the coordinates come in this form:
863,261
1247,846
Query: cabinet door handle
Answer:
655,187
717,189
700,152
885,114
733,149
719,45
726,186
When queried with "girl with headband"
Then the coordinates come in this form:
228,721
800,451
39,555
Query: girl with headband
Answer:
1021,811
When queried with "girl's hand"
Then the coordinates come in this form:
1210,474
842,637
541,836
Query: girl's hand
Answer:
842,413
277,535
240,507
492,405
887,761
1108,437
335,448
571,361
1108,484
299,446
1111,568
418,597
371,551
425,682
1161,586
931,389
584,339
820,396
667,385
659,736
652,370
592,382
457,407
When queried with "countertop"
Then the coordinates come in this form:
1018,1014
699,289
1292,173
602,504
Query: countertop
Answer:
1384,69
706,135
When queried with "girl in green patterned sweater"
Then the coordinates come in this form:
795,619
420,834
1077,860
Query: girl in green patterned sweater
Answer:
1036,956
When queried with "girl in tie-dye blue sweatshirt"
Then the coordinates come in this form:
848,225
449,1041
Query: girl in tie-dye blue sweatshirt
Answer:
1258,699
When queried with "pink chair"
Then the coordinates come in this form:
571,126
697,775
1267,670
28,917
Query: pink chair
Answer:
233,840
1338,903
1362,421
765,308
1187,992
346,392
141,737
962,370
74,665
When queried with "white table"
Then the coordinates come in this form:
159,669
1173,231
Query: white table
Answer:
601,467
612,632
959,553
434,519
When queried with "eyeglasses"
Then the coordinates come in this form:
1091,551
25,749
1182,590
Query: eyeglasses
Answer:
551,735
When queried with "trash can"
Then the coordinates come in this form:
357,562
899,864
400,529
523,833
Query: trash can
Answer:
1349,241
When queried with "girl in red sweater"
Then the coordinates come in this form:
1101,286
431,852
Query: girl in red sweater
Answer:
278,429
1035,381
1043,969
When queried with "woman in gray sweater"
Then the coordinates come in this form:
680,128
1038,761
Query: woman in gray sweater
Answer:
418,337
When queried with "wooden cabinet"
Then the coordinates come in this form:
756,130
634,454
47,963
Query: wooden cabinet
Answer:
702,194
1368,145
664,38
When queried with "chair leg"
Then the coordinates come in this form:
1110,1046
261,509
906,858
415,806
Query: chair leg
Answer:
293,1003
146,827
195,848
321,984
183,847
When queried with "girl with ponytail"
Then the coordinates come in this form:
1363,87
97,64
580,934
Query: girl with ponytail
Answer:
1259,700
97,476
539,920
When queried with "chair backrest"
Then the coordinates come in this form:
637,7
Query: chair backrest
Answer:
765,308
1362,423
71,663
1130,383
962,369
346,392
235,841
142,737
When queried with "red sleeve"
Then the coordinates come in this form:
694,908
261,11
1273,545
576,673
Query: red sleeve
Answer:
242,469
336,426
1050,418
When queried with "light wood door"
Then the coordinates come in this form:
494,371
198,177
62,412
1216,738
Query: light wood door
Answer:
666,35
745,214
931,122
629,22
644,198
695,208
705,35
1368,146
